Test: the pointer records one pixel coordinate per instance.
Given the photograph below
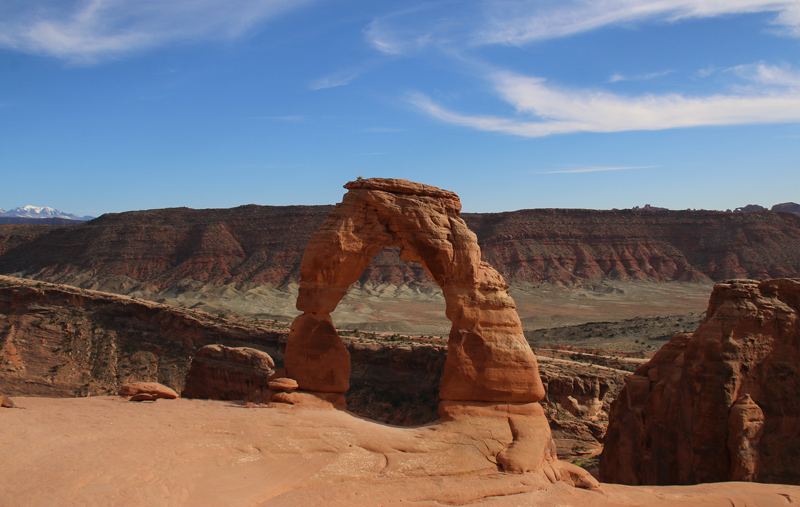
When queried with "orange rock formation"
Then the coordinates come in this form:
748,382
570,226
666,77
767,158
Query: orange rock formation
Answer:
488,359
152,391
720,404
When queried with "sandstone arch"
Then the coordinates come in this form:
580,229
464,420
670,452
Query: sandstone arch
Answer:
488,359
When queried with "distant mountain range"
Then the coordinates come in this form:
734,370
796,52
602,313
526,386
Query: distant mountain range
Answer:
40,212
791,207
180,248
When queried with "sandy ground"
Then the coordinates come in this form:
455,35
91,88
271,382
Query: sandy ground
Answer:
107,451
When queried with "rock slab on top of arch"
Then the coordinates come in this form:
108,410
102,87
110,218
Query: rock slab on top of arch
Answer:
488,359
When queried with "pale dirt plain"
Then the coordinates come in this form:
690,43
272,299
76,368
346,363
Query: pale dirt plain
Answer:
108,451
418,308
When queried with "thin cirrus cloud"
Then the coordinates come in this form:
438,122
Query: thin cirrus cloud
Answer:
520,22
341,78
559,111
89,31
638,77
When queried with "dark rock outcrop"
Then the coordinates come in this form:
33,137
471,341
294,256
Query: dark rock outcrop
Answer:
791,207
750,207
720,404
228,373
62,341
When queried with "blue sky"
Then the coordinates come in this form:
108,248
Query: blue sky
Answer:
115,105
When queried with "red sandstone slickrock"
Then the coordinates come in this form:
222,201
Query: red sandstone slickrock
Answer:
720,404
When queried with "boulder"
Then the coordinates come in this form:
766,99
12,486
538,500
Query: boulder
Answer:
219,372
6,402
153,389
720,404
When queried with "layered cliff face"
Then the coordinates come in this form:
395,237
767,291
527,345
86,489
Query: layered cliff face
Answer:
150,251
720,404
572,245
62,341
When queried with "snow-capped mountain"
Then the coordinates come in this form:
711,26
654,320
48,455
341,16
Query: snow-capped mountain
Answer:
40,212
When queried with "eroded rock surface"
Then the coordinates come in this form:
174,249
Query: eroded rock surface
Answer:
147,391
228,373
720,404
488,358
62,341
209,453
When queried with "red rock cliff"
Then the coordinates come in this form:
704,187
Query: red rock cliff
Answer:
720,404
164,248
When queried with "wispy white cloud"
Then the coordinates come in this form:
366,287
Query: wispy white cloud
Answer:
409,30
519,21
597,169
638,77
557,111
88,31
768,75
341,78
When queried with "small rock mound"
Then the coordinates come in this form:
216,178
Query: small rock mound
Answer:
228,373
6,402
147,391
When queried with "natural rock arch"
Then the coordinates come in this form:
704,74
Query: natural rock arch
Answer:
488,358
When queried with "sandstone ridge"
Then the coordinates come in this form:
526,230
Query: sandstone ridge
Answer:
154,253
719,404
